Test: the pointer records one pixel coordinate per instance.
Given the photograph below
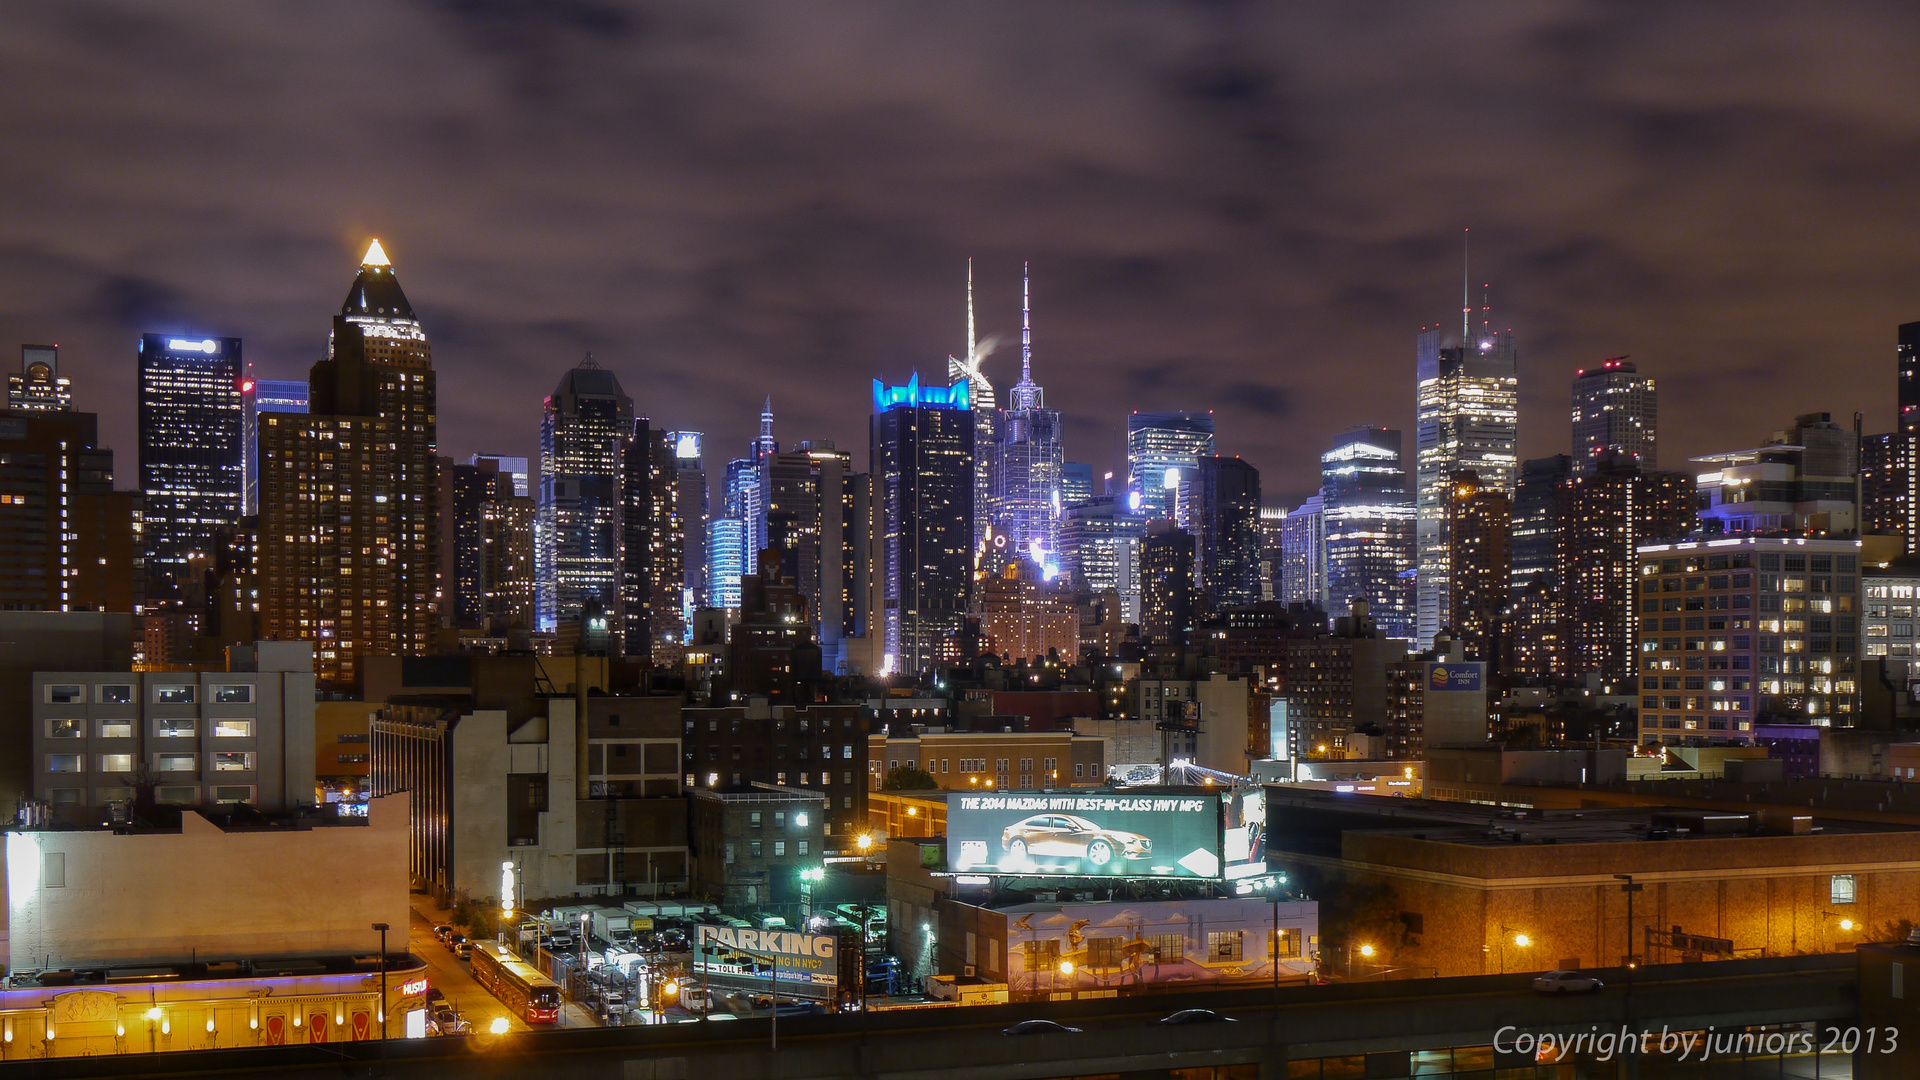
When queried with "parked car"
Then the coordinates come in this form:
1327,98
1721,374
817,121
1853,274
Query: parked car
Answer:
1067,836
1040,1027
441,931
1566,982
454,940
447,1022
1196,1016
463,949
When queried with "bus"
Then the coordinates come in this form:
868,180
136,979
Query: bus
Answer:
516,983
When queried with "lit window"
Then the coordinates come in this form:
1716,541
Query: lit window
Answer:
1841,890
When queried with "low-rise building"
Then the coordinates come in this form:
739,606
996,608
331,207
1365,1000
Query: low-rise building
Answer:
750,845
961,760
822,748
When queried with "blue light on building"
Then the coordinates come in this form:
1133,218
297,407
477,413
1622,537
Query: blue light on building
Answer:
914,395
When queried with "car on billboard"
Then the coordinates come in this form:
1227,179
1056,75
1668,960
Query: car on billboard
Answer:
1068,836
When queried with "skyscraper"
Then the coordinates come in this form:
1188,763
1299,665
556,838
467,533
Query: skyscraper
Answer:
486,578
264,396
1076,484
38,386
1028,463
1368,524
1907,356
651,617
1220,506
513,467
1615,408
1164,448
809,497
922,447
587,419
1303,555
986,417
1534,520
1605,515
348,529
1468,417
192,460
1100,550
71,541
1480,532
694,501
726,561
1166,583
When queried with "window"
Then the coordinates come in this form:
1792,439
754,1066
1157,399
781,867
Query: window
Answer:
177,795
175,763
354,759
1167,948
233,693
779,847
173,694
65,763
116,729
779,819
53,870
753,819
1223,946
232,729
361,736
1043,955
1842,889
66,694
113,694
801,848
1286,945
846,752
116,763
1076,770
753,848
70,728
175,728
234,793
1103,952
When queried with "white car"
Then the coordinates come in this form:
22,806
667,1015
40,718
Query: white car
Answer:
1566,982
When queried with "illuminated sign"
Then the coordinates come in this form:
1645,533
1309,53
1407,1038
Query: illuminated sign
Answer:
208,346
1243,840
739,956
1453,677
1107,834
686,445
414,988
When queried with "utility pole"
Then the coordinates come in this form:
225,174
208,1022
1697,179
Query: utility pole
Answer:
382,927
1629,888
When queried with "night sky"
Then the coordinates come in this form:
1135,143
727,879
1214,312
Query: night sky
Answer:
1226,206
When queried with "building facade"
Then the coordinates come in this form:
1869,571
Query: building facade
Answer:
1100,550
68,540
1615,410
192,449
38,386
1168,600
1802,481
1164,448
818,750
1367,527
1220,506
1468,416
922,449
1479,535
586,423
1605,515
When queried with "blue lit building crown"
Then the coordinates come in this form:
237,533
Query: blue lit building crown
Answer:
913,395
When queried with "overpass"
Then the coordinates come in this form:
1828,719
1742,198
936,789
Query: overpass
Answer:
1366,1029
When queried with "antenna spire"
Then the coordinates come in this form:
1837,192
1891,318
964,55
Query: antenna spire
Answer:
1026,327
973,344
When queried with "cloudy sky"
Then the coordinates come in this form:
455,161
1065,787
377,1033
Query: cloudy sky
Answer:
1251,208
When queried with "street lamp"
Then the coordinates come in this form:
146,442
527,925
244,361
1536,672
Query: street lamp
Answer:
382,927
807,879
1520,941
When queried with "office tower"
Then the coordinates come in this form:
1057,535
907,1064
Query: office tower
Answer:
515,468
192,461
1615,408
922,448
1480,534
264,396
653,544
1027,466
742,502
1166,583
1605,515
986,418
348,529
1534,523
1273,522
1367,528
1890,486
1303,555
693,498
487,548
809,499
1220,506
726,561
587,418
39,386
1468,414
1100,550
1076,484
1164,448
764,446
71,541
1758,631
1800,481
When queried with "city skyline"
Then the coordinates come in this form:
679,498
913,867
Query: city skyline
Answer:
1188,245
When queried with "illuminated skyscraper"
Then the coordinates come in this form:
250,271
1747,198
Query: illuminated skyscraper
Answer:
1368,522
1220,506
348,523
1303,555
694,502
650,616
1164,448
1468,416
1166,583
809,497
39,386
1028,462
986,417
578,541
1100,550
515,467
1907,356
1615,408
726,561
265,396
72,543
1605,515
1480,530
486,578
1076,484
192,461
922,447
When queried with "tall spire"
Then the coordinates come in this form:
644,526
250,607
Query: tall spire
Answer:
973,344
764,447
1026,395
1466,289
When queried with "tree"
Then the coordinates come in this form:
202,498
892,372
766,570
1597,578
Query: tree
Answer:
908,778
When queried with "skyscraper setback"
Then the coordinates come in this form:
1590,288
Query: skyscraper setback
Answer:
348,529
1468,419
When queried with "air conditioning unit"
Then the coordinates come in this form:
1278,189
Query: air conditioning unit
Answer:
967,971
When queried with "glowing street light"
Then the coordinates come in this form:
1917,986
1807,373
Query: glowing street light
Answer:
499,1025
1066,967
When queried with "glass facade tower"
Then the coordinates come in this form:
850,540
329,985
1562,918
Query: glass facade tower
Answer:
192,452
1467,409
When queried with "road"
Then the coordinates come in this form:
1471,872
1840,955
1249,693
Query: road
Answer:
450,976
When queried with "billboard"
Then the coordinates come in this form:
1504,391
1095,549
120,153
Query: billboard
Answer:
1244,836
1119,834
741,957
1453,677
